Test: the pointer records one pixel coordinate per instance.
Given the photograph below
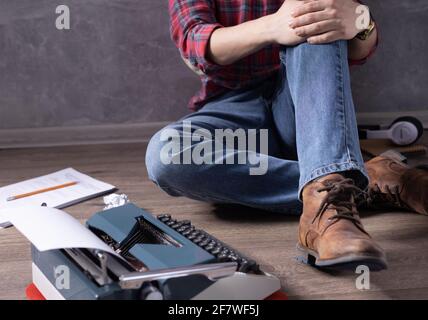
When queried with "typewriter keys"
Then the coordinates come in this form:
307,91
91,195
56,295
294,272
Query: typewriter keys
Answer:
182,229
177,225
164,217
187,231
204,242
191,236
218,249
215,251
222,257
209,247
169,223
198,239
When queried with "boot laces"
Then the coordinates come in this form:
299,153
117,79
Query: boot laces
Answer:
391,195
340,196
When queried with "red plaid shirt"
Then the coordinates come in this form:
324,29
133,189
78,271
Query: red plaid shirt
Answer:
193,22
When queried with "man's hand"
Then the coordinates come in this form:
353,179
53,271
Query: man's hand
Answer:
324,21
279,25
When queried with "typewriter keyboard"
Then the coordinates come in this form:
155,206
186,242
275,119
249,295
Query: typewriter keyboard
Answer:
220,250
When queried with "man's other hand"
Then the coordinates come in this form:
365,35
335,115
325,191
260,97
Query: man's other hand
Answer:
324,21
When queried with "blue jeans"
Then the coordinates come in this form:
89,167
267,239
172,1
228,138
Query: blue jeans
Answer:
309,113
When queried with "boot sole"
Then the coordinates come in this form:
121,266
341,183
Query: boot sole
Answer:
349,262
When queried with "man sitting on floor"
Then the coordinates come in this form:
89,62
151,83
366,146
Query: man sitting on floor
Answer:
281,68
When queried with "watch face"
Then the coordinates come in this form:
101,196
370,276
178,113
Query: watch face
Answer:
363,35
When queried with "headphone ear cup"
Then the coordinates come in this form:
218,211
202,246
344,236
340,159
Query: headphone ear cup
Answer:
403,131
416,122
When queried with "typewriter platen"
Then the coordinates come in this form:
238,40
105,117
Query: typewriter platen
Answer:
163,258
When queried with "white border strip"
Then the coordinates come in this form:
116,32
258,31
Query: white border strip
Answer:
46,288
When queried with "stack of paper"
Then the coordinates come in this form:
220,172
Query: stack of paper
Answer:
85,188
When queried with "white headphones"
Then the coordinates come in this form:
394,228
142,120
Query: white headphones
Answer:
403,132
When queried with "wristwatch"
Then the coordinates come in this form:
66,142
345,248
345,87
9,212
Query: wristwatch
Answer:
365,34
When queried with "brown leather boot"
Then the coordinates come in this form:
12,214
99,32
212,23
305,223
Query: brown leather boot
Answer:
394,184
330,230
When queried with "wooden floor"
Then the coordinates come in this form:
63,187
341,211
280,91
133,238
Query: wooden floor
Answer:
269,238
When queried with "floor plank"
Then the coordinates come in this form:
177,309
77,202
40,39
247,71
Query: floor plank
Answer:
269,238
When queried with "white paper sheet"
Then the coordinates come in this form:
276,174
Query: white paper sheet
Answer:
49,229
86,188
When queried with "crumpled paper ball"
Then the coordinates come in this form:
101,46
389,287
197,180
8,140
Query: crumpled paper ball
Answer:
115,200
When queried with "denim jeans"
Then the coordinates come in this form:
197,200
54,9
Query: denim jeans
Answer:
309,113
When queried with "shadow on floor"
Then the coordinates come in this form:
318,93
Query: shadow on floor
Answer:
232,212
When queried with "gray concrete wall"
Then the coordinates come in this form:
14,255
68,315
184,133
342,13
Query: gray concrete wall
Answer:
396,78
117,63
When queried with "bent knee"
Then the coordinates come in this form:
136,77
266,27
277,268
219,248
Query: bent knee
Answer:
159,169
155,168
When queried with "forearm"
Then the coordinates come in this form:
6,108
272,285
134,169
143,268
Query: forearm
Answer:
360,49
320,21
230,44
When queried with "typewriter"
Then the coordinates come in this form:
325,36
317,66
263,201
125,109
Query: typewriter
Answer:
158,258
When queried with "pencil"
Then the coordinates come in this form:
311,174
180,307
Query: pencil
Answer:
28,194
